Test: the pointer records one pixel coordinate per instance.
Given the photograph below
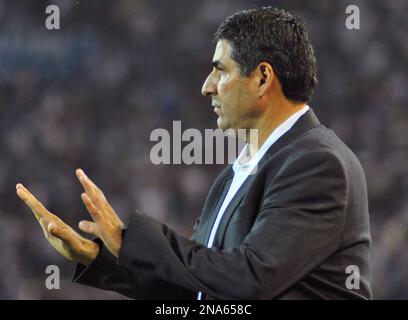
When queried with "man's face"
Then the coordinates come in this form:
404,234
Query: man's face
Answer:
233,96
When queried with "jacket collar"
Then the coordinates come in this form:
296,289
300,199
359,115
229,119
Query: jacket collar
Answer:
305,123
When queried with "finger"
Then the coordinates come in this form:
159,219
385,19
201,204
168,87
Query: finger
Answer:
61,233
36,206
89,227
90,206
90,187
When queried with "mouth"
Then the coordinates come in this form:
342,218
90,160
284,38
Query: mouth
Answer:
215,104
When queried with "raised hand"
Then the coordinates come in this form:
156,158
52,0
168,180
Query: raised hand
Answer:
60,235
107,225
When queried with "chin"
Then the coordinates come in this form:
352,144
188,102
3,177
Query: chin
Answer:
221,124
226,126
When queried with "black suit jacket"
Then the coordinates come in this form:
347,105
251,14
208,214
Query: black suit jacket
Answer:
290,232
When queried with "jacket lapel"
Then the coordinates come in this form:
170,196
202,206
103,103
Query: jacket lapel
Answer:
213,203
230,210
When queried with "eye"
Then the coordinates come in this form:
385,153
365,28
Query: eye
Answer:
220,71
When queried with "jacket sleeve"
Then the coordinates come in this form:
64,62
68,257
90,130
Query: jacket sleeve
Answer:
298,226
106,273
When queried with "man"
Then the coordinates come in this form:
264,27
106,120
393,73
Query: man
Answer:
285,221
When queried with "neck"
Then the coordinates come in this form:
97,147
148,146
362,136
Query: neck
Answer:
272,118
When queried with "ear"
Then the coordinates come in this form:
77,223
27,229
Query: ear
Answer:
264,74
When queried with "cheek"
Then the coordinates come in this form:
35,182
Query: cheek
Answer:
234,94
223,86
229,90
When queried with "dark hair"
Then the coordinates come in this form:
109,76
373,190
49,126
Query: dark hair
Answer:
277,37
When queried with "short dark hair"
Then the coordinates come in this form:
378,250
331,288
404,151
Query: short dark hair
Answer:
277,37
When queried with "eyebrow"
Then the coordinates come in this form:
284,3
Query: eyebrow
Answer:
217,64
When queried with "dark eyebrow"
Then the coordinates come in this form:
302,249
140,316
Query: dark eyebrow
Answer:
217,64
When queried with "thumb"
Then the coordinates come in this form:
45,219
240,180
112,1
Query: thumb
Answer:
89,227
59,232
51,228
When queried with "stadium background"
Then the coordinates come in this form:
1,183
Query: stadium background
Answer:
88,95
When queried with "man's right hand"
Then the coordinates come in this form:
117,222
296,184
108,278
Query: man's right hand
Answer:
60,235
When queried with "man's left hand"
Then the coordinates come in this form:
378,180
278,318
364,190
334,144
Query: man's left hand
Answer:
107,225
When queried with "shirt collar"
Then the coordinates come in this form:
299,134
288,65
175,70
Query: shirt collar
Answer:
250,165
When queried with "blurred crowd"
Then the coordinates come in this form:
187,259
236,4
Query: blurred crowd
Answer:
89,95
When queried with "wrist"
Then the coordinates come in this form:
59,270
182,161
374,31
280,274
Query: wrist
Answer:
88,259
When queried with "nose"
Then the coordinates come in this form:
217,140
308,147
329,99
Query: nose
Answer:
209,87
